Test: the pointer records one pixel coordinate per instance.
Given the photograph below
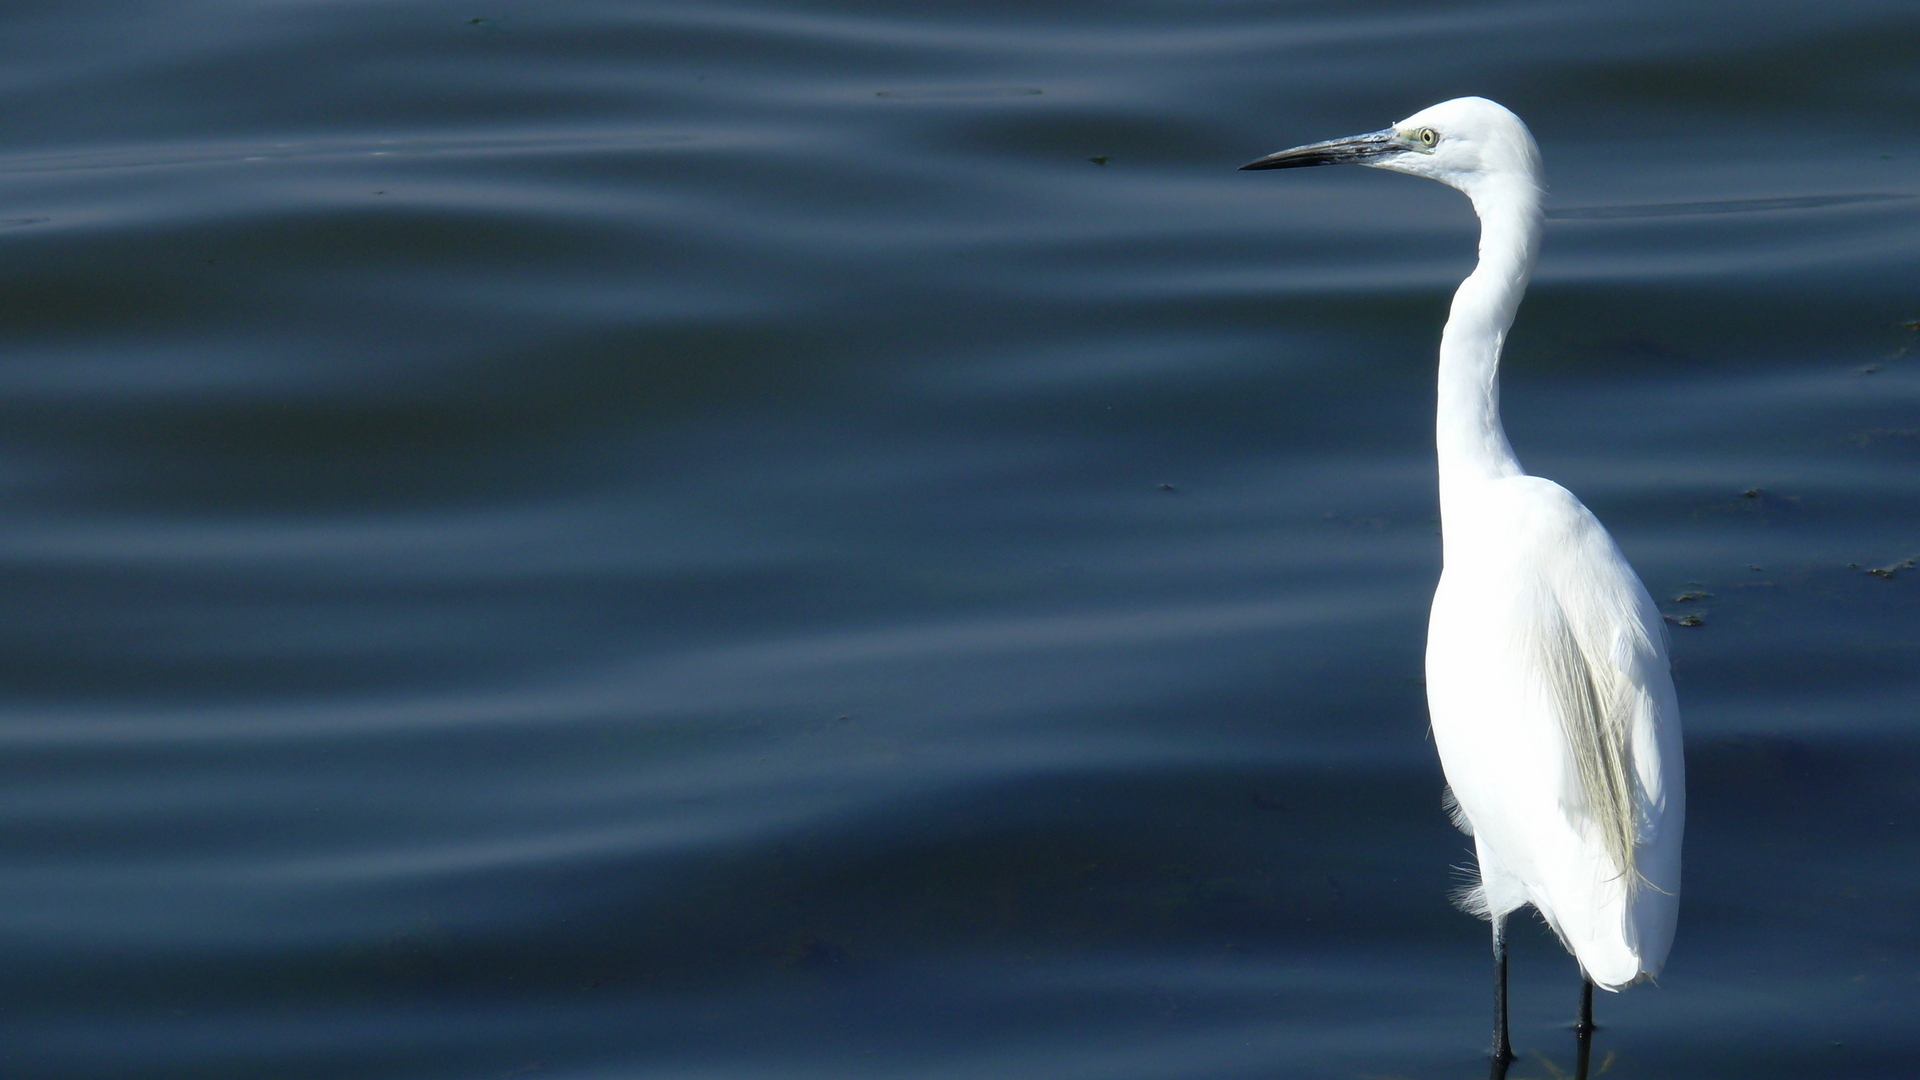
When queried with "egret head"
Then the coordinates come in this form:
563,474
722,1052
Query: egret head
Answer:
1467,143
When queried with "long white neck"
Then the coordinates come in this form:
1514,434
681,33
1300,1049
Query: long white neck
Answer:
1473,446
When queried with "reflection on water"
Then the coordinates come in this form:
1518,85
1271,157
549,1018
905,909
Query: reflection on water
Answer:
1721,206
601,540
1725,206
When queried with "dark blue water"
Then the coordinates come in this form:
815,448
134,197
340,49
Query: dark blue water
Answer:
822,540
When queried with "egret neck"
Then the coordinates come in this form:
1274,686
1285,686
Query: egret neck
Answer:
1472,444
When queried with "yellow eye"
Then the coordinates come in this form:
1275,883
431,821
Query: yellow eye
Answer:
1428,137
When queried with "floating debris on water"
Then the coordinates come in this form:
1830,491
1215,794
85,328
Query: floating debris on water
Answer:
1872,436
1099,159
1886,573
1685,620
1692,595
1764,501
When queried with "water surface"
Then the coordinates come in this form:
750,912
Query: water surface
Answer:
837,539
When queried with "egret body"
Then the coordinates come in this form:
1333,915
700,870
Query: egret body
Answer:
1547,675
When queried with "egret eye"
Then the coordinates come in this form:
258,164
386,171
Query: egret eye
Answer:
1428,137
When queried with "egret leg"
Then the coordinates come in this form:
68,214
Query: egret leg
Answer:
1583,1031
1502,1049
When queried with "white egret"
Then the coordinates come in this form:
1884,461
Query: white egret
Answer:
1547,675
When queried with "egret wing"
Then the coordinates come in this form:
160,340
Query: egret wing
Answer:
1599,666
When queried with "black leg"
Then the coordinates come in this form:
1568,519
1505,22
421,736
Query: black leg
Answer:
1583,1030
1502,1048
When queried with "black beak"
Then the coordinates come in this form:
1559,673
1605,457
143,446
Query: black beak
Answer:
1353,150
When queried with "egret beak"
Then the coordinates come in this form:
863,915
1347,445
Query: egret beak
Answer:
1352,150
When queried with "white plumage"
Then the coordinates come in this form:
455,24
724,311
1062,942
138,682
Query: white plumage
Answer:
1547,675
